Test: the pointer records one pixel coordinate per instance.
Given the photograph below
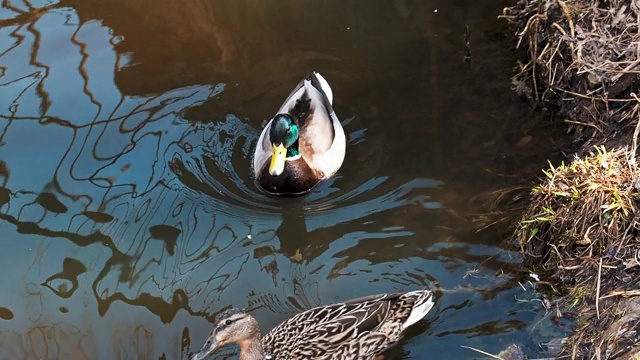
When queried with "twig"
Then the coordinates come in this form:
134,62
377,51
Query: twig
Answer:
598,289
522,286
567,14
622,293
636,132
482,352
598,98
583,124
628,69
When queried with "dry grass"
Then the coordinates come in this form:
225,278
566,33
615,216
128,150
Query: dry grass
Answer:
584,207
581,233
583,59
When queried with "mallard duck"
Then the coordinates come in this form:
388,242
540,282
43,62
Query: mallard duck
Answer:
358,329
303,144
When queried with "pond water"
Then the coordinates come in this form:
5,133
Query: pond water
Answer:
128,213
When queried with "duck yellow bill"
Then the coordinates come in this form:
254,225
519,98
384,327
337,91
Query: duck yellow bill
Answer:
277,160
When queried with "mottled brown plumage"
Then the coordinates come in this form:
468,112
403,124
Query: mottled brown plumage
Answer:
358,329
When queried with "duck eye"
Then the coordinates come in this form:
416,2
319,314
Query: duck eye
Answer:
228,322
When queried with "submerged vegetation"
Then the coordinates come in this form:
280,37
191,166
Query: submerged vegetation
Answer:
581,231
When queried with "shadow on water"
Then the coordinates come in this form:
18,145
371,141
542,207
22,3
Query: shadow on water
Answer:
128,212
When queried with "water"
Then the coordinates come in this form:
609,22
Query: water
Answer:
128,213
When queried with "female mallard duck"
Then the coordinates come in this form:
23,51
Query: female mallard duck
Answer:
303,144
358,329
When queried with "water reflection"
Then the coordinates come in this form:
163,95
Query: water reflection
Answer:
128,215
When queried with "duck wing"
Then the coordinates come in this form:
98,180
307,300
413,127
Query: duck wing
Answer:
322,140
309,104
356,329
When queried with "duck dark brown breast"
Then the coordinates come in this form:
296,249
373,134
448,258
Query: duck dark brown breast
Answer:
296,178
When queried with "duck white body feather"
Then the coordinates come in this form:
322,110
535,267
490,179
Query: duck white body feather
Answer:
322,142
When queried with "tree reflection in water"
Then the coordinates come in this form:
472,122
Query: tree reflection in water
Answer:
126,225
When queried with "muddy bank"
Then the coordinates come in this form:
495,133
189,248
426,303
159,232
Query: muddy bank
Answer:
579,62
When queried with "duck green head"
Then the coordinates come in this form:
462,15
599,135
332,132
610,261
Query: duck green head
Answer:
284,135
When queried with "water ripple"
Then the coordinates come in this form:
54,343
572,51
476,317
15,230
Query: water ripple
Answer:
129,219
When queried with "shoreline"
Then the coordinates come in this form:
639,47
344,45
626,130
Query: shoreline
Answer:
579,62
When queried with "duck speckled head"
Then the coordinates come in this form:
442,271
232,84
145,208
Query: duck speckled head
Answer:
231,326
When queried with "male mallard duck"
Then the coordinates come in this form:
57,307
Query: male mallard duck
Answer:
303,143
358,329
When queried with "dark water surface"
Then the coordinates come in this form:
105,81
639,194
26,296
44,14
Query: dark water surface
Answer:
128,214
